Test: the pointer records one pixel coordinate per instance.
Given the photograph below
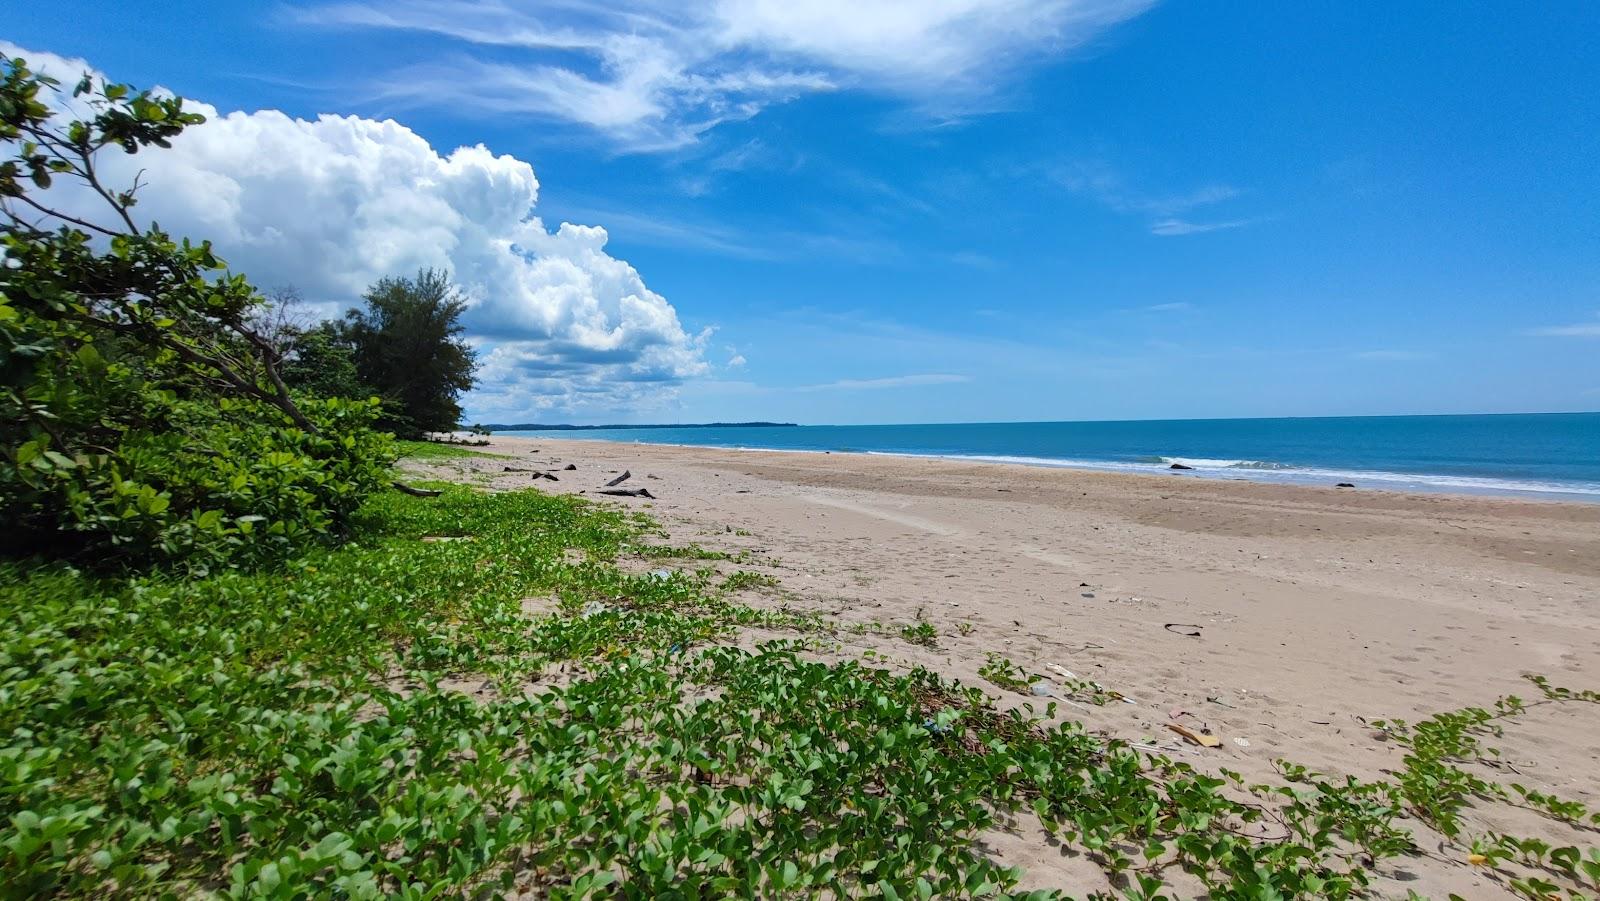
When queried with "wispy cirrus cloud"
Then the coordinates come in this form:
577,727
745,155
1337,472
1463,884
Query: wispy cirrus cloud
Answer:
780,246
1398,356
1168,228
653,76
895,381
1167,214
1574,330
661,231
974,260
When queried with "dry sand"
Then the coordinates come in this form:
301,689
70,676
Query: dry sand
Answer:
1317,607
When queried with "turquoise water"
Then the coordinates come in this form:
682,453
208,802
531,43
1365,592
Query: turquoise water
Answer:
1553,455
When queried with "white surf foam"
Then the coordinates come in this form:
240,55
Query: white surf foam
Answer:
1266,471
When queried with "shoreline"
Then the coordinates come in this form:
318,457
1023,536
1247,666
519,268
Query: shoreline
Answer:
1306,612
1389,481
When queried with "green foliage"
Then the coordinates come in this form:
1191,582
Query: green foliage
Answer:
142,417
321,362
406,346
386,718
920,633
225,485
1000,671
1437,786
438,450
745,579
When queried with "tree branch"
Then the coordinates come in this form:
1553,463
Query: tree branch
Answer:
194,357
84,223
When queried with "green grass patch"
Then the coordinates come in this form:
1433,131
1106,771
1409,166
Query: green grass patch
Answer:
438,450
390,719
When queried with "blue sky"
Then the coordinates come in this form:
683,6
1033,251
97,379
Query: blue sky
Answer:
955,210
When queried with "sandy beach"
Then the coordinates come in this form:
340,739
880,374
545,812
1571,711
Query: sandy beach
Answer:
1283,618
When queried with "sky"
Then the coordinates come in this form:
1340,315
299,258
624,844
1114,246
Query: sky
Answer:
942,211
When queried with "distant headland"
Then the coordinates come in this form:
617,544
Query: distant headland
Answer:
563,427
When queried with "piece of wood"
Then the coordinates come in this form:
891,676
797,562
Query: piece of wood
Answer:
628,492
403,488
1203,739
619,479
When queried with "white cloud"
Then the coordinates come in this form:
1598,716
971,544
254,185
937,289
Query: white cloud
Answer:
974,259
654,75
1104,185
333,204
661,231
1394,355
1176,306
1575,330
897,381
915,46
1097,180
776,246
1168,228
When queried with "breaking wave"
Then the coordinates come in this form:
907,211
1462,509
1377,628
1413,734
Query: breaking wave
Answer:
1204,463
1267,471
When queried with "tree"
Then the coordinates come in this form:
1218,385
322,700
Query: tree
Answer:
321,361
314,358
407,348
143,414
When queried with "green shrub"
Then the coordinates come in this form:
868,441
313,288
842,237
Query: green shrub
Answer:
229,485
143,419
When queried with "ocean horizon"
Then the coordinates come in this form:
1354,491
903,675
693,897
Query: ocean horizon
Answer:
1543,455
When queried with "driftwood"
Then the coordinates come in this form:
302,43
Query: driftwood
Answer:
403,488
537,475
569,466
628,492
619,479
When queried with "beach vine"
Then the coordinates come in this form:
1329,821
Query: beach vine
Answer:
477,697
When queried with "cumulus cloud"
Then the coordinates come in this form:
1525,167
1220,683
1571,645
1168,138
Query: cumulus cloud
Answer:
332,205
654,75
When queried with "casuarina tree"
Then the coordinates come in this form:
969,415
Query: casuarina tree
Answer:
408,349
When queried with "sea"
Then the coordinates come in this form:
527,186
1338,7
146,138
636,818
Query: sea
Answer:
1545,455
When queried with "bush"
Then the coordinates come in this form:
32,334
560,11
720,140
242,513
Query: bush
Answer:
228,485
143,419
